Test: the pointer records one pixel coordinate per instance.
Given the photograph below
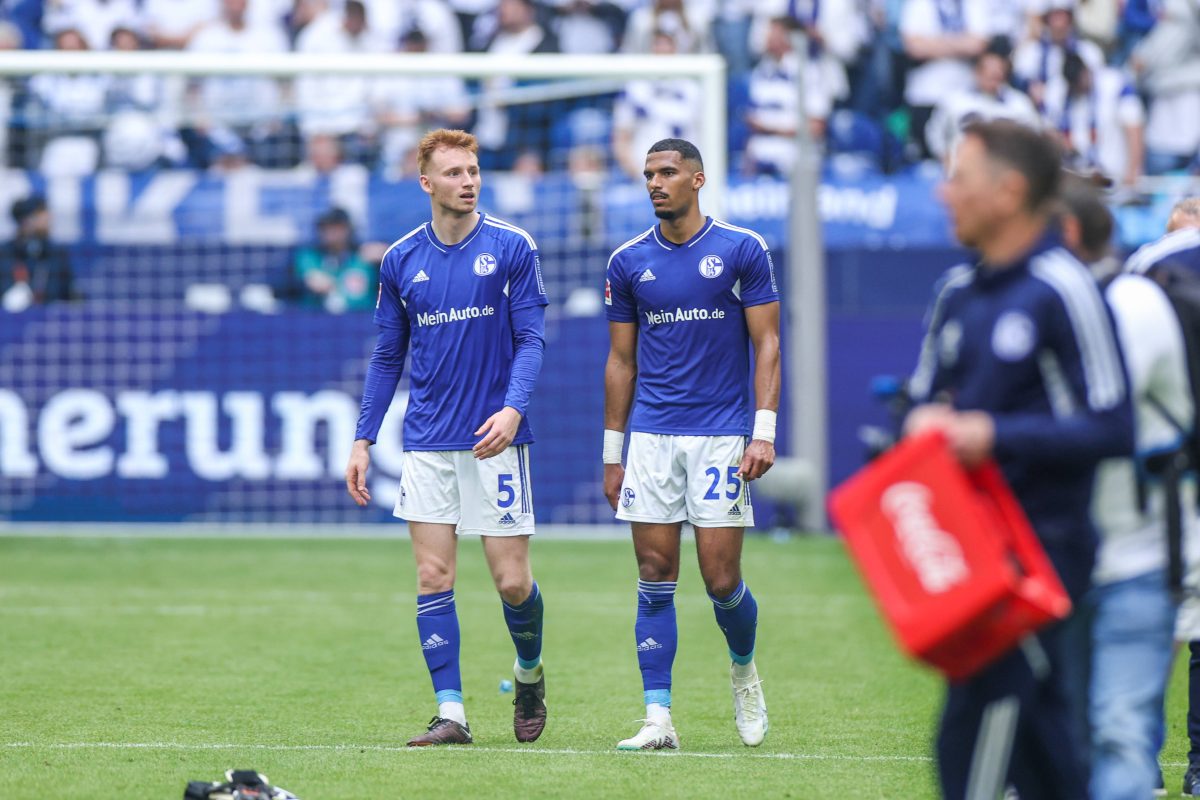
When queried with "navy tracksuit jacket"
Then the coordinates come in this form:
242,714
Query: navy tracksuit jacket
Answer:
1033,345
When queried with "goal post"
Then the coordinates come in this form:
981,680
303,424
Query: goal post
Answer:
707,69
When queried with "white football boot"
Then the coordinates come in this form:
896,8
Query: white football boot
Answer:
654,735
749,705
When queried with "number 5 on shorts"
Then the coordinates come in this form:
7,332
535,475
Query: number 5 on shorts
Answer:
508,494
731,480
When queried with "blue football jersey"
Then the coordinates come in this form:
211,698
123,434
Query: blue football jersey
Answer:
455,300
693,345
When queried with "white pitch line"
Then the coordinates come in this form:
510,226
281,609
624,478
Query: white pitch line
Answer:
483,749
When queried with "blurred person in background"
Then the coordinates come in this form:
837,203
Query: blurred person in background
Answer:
587,26
689,24
512,136
33,270
731,33
1127,617
391,19
940,38
991,97
835,32
1038,63
338,105
331,274
1167,63
249,107
171,24
1174,257
407,106
652,109
143,110
773,110
1020,363
1137,18
1101,120
10,39
27,16
95,20
69,112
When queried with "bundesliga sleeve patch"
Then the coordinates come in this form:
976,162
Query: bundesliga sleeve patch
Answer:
607,292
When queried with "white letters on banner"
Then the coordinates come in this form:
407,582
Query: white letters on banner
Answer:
78,435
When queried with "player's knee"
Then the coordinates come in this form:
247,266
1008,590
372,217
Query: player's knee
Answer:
722,584
655,567
434,576
514,589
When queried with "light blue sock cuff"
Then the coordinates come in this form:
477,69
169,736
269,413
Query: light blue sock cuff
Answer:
741,661
660,696
528,664
449,696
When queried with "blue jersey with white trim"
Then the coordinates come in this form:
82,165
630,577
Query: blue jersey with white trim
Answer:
455,301
1034,345
1178,249
693,350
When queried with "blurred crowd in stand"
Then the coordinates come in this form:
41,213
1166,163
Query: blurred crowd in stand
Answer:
887,82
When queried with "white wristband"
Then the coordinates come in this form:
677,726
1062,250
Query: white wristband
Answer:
614,443
764,425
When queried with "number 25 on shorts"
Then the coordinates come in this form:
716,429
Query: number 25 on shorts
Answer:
732,481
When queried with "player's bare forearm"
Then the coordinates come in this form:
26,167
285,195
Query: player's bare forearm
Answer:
356,471
620,375
498,432
619,382
614,476
763,324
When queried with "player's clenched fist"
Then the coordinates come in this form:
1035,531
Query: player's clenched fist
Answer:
758,458
356,472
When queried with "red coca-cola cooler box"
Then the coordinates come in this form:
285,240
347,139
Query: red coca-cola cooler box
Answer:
948,555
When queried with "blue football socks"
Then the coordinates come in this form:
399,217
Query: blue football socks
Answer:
437,625
657,639
737,616
525,627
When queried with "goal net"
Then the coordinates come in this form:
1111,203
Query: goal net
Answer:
189,342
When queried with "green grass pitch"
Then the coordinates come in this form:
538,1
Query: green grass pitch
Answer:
129,666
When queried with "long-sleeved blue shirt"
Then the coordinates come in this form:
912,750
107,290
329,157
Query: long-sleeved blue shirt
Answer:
472,315
1034,346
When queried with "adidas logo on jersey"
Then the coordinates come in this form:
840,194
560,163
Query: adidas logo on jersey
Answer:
646,276
736,511
420,276
433,642
507,520
648,644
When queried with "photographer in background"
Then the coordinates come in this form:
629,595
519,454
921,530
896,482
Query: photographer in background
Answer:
33,270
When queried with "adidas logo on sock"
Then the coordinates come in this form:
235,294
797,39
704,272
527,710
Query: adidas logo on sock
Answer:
433,642
649,644
507,519
420,276
646,276
527,636
736,511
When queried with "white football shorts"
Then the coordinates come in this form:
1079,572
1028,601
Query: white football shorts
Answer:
672,478
492,497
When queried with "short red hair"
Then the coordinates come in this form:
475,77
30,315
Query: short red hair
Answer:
443,137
